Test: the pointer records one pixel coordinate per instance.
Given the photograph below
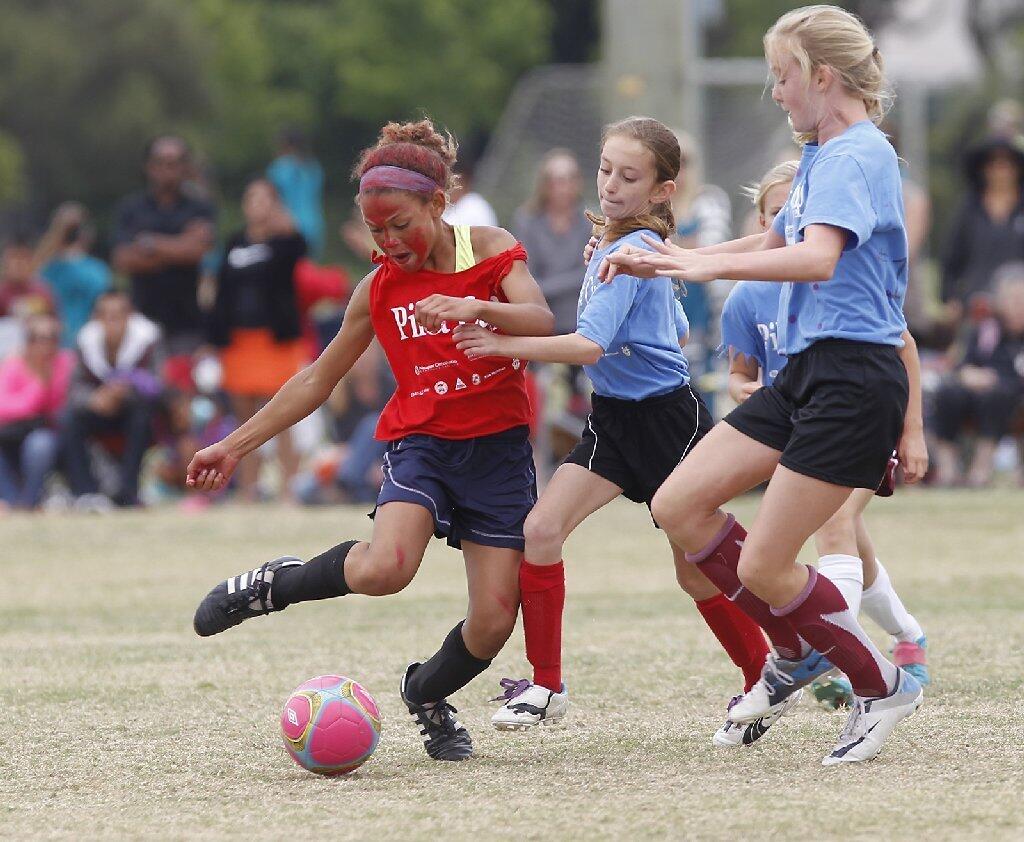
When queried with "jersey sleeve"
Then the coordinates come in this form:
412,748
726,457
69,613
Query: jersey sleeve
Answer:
839,194
739,327
682,323
607,310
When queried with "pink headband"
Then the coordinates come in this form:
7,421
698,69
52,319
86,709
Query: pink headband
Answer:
386,177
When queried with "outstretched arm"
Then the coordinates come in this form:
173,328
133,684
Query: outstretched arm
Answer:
814,259
571,348
211,468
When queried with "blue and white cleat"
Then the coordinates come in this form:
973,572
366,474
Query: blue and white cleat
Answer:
873,720
780,679
913,658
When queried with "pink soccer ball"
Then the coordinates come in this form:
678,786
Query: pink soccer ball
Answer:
331,725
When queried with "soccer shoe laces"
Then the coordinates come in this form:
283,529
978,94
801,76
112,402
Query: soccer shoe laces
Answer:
440,715
855,723
513,688
258,591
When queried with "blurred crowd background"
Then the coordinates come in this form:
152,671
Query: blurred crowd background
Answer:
179,237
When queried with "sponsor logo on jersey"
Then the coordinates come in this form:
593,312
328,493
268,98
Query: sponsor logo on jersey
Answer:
441,387
459,384
420,369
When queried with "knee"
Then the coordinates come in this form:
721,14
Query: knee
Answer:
671,510
693,581
40,444
488,627
381,575
542,529
754,571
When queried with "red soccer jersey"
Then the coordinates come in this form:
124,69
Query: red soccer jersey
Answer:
440,391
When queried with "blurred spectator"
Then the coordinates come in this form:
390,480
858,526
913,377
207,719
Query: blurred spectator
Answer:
987,385
703,218
553,228
1006,119
75,277
22,293
113,398
255,318
349,469
33,389
357,237
467,207
988,229
161,237
299,180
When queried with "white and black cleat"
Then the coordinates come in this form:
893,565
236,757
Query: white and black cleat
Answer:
528,705
733,734
239,598
871,721
444,737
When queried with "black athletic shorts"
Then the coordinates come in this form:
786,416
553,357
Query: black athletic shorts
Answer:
637,444
835,411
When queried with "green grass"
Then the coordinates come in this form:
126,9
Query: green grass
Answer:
116,721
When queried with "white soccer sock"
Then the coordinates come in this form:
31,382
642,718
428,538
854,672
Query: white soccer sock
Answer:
883,605
846,572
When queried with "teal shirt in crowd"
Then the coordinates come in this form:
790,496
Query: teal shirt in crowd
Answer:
76,281
300,183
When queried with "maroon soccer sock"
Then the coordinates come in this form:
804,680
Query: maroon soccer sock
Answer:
822,617
543,598
719,561
739,635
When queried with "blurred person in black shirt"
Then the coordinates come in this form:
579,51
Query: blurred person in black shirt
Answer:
987,230
987,385
161,236
255,319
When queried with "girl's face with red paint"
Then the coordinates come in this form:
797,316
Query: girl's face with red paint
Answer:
404,225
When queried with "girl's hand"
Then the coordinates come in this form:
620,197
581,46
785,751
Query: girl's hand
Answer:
913,454
627,261
211,468
476,341
670,260
435,309
588,249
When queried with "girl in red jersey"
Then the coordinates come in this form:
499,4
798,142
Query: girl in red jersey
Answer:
459,463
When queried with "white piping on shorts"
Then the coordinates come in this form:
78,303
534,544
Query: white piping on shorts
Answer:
696,423
391,476
590,462
491,535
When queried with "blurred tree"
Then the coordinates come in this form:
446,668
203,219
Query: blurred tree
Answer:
84,85
12,169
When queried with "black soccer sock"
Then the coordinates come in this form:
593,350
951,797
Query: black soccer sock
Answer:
449,669
321,577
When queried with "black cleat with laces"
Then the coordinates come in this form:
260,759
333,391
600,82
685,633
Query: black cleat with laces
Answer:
239,598
445,738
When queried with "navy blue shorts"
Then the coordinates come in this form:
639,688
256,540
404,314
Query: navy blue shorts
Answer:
477,490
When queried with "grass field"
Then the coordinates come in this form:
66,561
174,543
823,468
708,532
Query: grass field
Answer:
116,721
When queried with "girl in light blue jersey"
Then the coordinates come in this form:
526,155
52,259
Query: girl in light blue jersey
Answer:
645,419
846,553
831,420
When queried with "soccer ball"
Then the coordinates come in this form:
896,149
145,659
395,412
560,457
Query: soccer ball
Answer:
331,725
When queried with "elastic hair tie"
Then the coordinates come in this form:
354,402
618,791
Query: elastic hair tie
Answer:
386,177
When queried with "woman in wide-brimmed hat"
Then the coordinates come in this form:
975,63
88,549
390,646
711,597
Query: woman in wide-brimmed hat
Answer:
988,229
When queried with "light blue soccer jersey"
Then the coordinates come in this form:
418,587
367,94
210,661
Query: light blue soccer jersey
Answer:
638,323
852,182
750,325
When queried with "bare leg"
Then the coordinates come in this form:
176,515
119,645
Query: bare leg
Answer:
492,578
243,407
573,494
